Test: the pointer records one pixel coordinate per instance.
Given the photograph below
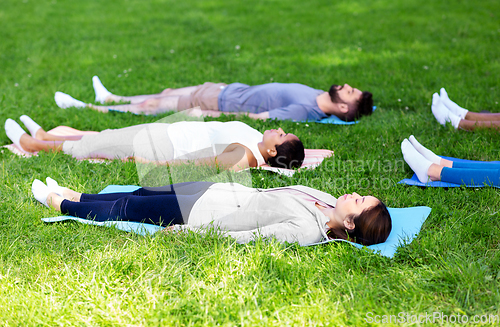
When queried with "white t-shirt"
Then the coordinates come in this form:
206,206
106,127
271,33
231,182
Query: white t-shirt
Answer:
192,140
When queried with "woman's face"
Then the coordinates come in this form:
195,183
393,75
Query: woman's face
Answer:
354,204
273,137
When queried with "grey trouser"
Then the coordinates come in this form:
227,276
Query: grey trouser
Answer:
148,141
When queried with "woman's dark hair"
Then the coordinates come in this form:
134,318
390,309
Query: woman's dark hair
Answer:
372,226
289,154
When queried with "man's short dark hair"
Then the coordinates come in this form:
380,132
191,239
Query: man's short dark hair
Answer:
364,107
289,154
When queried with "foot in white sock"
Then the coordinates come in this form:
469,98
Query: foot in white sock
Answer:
428,154
40,191
452,106
416,161
64,101
442,113
30,124
54,186
14,132
101,93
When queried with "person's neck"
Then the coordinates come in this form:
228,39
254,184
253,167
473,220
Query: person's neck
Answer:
263,151
330,213
325,103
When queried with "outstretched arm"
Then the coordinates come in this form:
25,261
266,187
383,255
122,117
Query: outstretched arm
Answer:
283,232
235,157
212,113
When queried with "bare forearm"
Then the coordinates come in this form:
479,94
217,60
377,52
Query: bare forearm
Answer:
213,113
207,162
263,115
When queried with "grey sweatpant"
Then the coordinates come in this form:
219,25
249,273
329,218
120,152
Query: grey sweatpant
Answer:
148,141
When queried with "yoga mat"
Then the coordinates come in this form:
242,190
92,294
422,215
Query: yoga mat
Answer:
337,121
406,224
313,158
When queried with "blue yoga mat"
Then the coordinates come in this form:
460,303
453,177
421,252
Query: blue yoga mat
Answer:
414,179
406,223
337,121
127,226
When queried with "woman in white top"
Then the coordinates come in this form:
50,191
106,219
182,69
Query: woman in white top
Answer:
232,145
289,214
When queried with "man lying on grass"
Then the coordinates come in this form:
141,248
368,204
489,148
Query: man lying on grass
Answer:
275,100
232,145
290,214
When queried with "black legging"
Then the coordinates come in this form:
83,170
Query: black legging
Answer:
162,206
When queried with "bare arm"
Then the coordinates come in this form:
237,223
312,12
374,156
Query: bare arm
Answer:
291,231
235,157
212,113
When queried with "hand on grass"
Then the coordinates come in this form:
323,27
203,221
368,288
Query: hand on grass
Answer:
168,229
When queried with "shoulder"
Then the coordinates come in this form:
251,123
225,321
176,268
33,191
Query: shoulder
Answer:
237,127
320,195
239,151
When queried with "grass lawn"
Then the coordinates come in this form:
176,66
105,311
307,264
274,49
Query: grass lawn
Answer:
402,51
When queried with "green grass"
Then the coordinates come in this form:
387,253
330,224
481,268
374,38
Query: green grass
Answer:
402,51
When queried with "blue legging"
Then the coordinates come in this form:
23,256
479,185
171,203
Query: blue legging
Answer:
162,206
472,173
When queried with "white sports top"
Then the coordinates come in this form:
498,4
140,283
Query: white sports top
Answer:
193,139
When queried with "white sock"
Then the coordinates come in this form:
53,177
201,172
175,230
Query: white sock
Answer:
452,106
442,113
40,191
428,154
64,101
54,186
30,124
416,161
100,91
14,132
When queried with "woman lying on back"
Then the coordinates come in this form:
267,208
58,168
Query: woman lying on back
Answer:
231,145
290,214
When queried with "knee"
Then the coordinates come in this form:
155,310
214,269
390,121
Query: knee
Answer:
150,104
30,144
77,150
166,91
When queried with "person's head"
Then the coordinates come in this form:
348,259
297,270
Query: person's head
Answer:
350,102
284,150
361,219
